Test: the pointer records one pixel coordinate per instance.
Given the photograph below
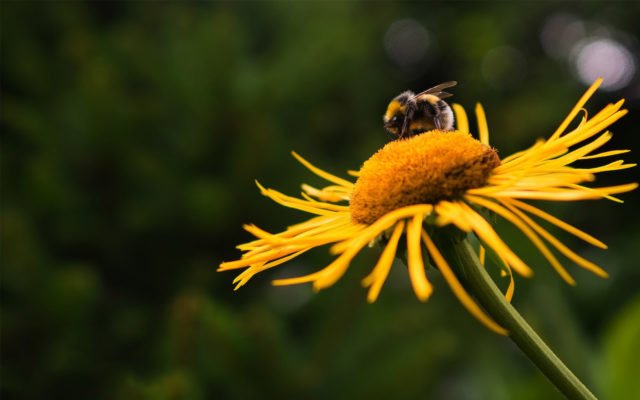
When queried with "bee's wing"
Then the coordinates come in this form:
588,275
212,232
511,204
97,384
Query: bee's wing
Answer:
438,90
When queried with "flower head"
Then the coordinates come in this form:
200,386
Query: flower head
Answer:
423,169
414,187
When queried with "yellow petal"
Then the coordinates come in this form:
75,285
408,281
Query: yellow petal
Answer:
323,174
421,285
586,264
248,273
379,274
576,109
462,121
509,216
482,253
558,222
458,289
485,232
483,128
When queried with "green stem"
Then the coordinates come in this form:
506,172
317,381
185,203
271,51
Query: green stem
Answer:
465,263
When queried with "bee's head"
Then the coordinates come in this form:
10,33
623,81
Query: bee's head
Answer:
396,113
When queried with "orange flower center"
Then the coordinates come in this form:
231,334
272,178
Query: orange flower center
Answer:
423,169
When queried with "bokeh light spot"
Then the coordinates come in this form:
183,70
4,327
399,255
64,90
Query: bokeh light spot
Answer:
606,58
406,42
559,33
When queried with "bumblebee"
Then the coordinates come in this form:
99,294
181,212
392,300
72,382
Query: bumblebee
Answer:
409,114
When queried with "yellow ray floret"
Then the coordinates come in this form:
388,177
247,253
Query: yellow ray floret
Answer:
379,274
462,121
458,289
421,285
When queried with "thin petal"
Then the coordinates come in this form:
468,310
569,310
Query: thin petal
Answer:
512,284
383,223
483,128
331,273
582,150
349,248
570,194
324,205
584,263
539,143
451,213
462,121
329,193
323,174
421,285
576,109
298,204
584,133
539,244
379,274
559,223
606,192
458,289
605,154
485,232
248,273
297,280
612,166
261,258
323,220
505,269
313,231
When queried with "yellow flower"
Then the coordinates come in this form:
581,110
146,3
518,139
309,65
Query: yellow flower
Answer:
416,186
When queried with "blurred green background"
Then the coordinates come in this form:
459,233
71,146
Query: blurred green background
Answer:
131,135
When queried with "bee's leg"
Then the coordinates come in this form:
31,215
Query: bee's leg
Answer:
437,123
405,127
405,124
432,112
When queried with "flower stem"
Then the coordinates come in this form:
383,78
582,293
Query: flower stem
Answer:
463,260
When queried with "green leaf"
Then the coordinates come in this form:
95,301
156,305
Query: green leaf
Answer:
622,356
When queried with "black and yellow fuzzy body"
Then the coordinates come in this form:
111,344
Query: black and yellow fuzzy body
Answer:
409,114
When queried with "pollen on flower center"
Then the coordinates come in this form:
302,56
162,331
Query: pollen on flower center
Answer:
423,169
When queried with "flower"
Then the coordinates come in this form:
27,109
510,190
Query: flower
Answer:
416,186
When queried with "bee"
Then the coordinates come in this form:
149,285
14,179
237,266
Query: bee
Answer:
409,114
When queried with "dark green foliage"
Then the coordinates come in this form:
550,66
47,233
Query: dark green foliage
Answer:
131,135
